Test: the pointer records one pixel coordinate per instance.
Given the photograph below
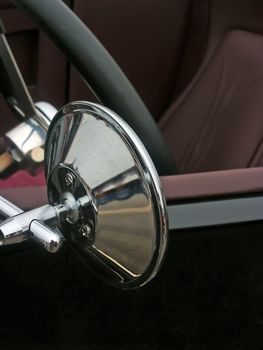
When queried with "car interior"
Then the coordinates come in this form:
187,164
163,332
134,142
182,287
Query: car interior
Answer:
197,67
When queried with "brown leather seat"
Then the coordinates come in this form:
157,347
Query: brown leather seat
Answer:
218,123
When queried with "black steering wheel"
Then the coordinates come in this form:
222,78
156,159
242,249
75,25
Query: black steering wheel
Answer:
101,73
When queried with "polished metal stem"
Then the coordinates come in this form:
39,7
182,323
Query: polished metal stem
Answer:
40,224
22,225
8,209
16,228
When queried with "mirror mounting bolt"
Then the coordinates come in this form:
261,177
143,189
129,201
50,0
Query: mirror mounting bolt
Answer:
69,180
85,231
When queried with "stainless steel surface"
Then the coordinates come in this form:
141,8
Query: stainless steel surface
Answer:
126,210
32,224
46,112
28,138
50,239
16,229
8,209
215,212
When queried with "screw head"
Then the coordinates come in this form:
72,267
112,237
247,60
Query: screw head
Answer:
69,180
85,231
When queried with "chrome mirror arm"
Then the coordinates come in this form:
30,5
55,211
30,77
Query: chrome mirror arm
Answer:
21,226
8,209
16,229
40,224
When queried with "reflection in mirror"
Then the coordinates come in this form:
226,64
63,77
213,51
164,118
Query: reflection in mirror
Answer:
92,153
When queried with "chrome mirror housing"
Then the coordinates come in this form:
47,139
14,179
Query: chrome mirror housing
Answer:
104,198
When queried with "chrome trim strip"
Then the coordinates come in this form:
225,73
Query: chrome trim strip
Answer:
215,212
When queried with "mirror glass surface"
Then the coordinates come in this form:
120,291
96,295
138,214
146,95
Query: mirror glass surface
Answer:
92,153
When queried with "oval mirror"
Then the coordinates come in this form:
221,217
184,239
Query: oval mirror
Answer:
121,234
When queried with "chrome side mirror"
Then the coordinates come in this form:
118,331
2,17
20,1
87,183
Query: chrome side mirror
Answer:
104,198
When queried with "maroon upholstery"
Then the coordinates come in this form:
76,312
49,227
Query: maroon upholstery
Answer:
146,38
176,188
213,184
22,178
24,190
209,21
26,197
218,123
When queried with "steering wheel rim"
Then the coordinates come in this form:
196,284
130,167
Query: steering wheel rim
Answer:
101,73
